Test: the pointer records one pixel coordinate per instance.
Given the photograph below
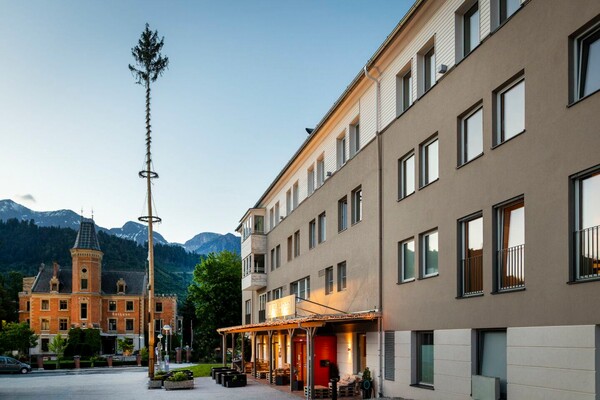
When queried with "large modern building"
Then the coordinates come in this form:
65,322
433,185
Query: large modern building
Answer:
84,295
441,224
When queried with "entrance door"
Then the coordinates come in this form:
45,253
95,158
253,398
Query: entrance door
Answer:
300,361
361,352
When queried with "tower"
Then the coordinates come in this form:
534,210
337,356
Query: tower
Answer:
86,258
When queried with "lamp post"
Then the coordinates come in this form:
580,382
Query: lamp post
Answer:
167,329
159,347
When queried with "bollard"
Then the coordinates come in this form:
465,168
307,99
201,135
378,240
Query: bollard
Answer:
77,360
40,361
138,359
178,355
109,361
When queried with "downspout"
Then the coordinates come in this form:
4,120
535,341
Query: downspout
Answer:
380,218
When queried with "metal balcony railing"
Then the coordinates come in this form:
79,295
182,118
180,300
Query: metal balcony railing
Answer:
587,252
512,267
472,275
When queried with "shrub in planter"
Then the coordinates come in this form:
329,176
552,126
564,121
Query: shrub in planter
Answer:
179,380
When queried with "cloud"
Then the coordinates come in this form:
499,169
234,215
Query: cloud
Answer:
26,197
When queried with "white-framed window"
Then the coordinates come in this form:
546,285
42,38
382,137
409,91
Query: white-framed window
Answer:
329,280
429,161
312,234
301,288
129,305
112,305
586,246
277,214
354,138
295,195
310,180
63,305
404,90
129,325
112,324
341,150
321,171
510,110
288,202
272,218
63,324
341,274
277,293
406,260
45,305
429,254
322,227
357,205
343,214
406,175
587,62
471,136
158,307
45,325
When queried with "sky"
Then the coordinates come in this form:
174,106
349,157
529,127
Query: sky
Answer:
244,80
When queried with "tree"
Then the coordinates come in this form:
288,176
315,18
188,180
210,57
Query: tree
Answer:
217,296
126,346
17,336
57,345
150,65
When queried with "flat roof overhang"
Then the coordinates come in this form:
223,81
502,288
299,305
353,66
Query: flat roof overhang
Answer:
302,322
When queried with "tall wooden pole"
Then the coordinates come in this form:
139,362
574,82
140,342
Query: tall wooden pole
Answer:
149,175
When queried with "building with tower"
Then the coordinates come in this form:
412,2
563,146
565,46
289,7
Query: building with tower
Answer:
84,295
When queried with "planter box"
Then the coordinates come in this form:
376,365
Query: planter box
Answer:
189,384
152,384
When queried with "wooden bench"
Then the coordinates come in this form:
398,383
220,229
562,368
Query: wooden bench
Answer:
321,392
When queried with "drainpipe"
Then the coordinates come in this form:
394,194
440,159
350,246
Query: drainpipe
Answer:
380,218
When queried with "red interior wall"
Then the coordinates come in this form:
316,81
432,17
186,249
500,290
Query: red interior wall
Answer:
325,349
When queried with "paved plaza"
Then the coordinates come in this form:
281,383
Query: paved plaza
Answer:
121,384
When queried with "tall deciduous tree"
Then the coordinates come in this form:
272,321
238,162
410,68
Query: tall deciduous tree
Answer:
17,336
217,296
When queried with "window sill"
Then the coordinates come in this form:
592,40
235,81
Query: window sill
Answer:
406,281
342,230
356,222
429,184
429,276
408,195
522,289
469,296
582,99
508,140
421,386
586,280
470,161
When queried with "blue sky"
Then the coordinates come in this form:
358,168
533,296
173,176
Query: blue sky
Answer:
245,78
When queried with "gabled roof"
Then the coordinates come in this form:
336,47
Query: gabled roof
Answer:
86,236
42,283
135,282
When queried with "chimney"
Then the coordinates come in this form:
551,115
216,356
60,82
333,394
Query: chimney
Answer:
55,266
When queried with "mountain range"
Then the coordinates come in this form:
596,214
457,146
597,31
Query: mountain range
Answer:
202,243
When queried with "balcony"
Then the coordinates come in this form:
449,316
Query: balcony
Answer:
512,267
472,275
254,243
587,253
254,281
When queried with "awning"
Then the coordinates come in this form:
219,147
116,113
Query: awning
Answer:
304,322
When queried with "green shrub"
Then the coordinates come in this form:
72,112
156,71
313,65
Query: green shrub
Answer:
178,377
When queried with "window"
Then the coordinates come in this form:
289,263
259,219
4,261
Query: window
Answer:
510,111
507,8
426,60
54,286
354,139
322,227
511,245
301,288
45,345
158,324
262,307
129,306
84,284
158,307
248,311
28,305
357,205
491,356
272,259
295,196
406,258
470,29
312,234
288,202
587,62
45,325
471,136
342,214
121,286
341,273
424,358
63,324
429,244
112,324
83,311
277,293
341,150
112,306
272,218
320,171
259,224
277,256
429,162
296,243
63,305
471,257
310,178
389,355
259,263
129,325
329,280
404,90
290,248
45,305
277,215
406,173
587,225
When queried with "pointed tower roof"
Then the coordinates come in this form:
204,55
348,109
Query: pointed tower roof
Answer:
86,237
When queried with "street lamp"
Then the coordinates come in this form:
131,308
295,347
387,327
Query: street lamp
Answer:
167,329
160,336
